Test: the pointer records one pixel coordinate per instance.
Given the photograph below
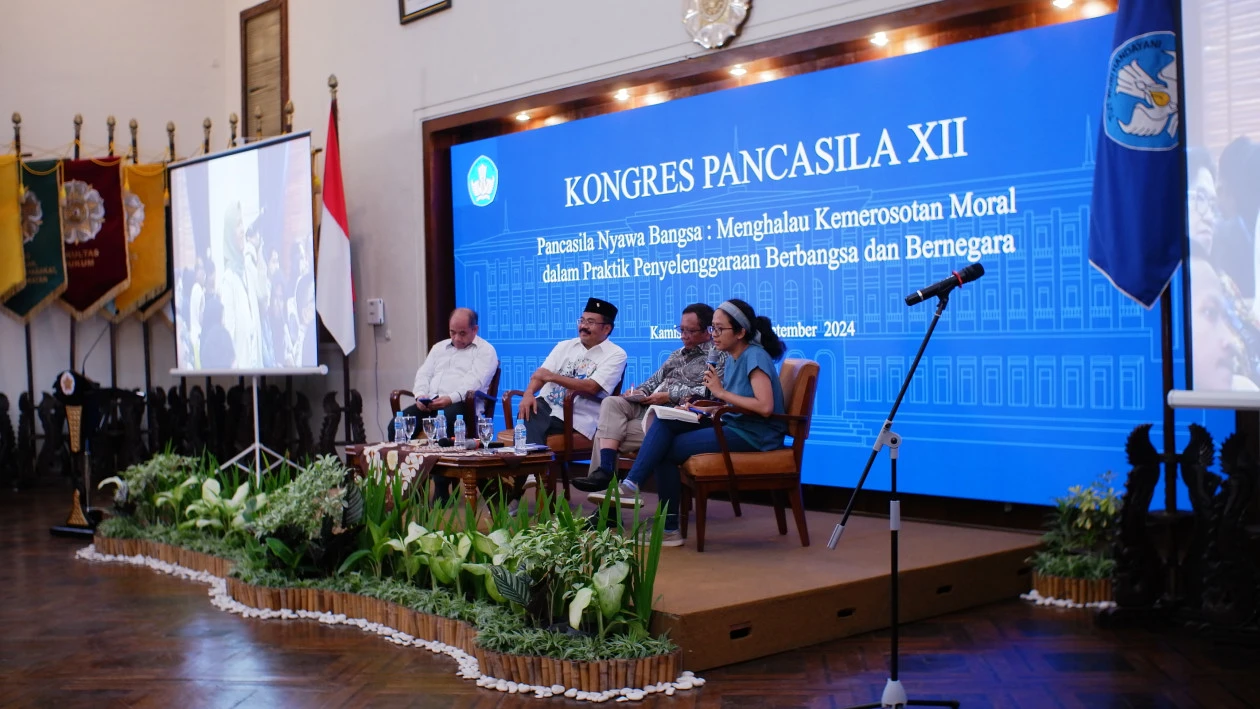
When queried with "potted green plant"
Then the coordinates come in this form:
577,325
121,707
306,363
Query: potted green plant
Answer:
1075,563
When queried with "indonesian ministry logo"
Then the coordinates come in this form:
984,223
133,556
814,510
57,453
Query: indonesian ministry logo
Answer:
483,181
1141,110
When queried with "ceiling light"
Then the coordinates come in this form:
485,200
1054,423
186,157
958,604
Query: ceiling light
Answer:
1062,4
522,116
879,39
1096,8
622,95
738,70
915,45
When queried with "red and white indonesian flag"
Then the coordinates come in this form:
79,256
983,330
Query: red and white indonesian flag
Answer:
334,293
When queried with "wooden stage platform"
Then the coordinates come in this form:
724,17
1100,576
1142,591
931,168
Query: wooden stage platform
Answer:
754,593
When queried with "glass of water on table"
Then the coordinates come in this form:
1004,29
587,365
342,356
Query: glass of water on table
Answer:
485,431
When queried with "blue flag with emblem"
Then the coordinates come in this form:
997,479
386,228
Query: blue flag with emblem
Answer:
1137,220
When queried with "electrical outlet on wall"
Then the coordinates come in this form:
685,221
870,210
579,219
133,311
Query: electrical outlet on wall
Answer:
376,311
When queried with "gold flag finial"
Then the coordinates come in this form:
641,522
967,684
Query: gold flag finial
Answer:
78,120
233,119
110,122
258,132
17,118
332,85
288,116
134,125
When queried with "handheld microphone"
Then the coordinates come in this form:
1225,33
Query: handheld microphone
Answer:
967,275
711,360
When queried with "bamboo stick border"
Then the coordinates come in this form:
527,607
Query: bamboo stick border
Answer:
597,676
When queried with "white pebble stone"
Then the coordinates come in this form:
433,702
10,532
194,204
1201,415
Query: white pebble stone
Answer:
699,681
623,699
557,689
571,693
669,691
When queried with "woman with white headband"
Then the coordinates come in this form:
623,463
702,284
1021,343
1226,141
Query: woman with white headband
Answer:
751,381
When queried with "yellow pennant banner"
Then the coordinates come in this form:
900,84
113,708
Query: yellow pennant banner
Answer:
144,198
12,260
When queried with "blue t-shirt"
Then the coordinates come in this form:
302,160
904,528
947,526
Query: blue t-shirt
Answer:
761,432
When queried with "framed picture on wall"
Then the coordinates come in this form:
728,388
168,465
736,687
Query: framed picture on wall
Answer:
410,10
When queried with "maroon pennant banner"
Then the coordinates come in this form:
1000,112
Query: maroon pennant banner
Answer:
94,229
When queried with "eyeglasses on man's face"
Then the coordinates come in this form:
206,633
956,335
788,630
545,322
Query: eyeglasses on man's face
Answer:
590,322
690,330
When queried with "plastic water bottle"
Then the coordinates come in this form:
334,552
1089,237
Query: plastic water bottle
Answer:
518,438
439,425
459,431
400,431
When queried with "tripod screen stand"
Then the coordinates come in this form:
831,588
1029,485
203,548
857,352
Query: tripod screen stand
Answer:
256,449
894,693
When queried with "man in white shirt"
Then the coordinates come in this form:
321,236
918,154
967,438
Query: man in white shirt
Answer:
588,364
454,367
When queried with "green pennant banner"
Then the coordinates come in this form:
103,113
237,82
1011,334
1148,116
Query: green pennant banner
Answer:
41,240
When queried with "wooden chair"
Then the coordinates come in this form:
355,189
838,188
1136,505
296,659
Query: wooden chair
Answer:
470,402
778,471
569,446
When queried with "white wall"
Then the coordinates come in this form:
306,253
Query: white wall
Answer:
477,53
392,77
152,60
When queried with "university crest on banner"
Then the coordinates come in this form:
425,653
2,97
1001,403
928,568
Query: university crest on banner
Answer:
94,231
144,199
12,265
41,240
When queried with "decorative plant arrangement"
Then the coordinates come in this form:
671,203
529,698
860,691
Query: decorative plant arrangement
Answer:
1076,563
549,586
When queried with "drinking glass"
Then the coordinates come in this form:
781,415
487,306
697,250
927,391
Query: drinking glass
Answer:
409,426
485,431
429,424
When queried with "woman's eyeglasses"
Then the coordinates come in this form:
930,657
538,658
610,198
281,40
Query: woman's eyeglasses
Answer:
718,329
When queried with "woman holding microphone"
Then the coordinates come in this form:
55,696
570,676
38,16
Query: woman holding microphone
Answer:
750,381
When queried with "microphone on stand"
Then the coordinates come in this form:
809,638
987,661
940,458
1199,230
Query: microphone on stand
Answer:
967,275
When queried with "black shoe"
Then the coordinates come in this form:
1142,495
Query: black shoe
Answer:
595,482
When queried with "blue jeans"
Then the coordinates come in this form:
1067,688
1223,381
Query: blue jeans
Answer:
667,445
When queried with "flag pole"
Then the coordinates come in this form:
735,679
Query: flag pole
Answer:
110,122
345,357
258,114
78,132
30,359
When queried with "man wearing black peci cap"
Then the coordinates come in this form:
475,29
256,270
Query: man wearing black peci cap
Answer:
588,364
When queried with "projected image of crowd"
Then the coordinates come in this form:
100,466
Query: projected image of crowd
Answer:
1224,220
246,315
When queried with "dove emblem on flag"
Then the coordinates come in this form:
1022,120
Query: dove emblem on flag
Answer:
1142,108
1157,107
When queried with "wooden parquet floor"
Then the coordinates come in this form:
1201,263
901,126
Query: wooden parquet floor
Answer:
75,634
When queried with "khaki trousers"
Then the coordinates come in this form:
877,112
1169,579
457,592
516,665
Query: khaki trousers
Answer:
620,419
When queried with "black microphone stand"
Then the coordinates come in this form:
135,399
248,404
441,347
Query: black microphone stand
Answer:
894,694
